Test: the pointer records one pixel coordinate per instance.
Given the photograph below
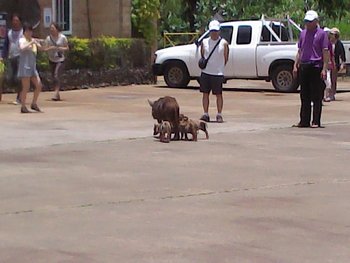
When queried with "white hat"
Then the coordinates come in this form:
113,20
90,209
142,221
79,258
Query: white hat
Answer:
310,16
214,25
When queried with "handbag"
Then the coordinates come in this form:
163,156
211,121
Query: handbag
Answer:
58,54
202,63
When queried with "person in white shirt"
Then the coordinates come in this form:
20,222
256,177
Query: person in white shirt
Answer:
212,76
57,44
13,52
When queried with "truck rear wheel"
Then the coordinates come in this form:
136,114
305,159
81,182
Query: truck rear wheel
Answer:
176,75
283,80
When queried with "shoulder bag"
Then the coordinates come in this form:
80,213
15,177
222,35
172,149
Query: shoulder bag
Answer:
202,63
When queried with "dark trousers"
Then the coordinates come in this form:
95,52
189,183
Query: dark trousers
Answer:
57,69
312,90
11,74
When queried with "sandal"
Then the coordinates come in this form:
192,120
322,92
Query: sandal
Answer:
35,107
315,126
24,109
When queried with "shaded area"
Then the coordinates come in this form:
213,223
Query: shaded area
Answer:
29,10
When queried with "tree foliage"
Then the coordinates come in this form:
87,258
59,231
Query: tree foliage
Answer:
144,15
194,15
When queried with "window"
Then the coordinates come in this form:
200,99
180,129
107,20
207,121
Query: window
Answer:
226,33
62,14
280,30
244,35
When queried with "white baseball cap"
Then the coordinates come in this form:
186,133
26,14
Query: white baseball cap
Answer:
214,25
310,16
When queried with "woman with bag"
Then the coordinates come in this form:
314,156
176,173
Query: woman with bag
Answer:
57,44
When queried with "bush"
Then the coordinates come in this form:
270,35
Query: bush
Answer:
79,54
109,52
99,62
42,61
102,53
2,68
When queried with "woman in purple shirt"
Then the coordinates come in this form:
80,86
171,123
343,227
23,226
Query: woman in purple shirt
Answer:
311,62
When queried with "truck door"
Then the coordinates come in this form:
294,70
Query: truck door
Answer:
242,54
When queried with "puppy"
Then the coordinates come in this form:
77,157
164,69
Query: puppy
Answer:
165,131
187,125
156,129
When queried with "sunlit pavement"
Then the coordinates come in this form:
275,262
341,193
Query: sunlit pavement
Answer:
85,181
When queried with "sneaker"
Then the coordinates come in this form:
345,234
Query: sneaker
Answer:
219,119
315,126
35,107
205,118
301,125
16,102
56,98
24,109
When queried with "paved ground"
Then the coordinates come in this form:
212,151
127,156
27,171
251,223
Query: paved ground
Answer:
86,182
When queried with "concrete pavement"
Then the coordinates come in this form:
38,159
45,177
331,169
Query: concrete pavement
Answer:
86,181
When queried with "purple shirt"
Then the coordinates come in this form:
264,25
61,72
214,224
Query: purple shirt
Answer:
311,45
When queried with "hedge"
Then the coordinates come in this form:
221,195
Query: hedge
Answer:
102,53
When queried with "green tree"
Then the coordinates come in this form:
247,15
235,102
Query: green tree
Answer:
335,9
194,15
144,16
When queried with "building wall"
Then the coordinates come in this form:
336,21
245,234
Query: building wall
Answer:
108,17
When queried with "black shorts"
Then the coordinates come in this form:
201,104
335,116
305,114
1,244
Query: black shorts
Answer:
211,83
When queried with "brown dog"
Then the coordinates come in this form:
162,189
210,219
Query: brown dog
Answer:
187,125
156,129
165,131
167,109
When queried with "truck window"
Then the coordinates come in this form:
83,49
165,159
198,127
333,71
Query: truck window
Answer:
244,35
280,31
226,33
265,35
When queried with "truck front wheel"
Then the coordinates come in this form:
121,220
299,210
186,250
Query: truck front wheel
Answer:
283,80
176,75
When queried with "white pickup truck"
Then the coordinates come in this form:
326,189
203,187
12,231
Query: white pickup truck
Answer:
260,49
